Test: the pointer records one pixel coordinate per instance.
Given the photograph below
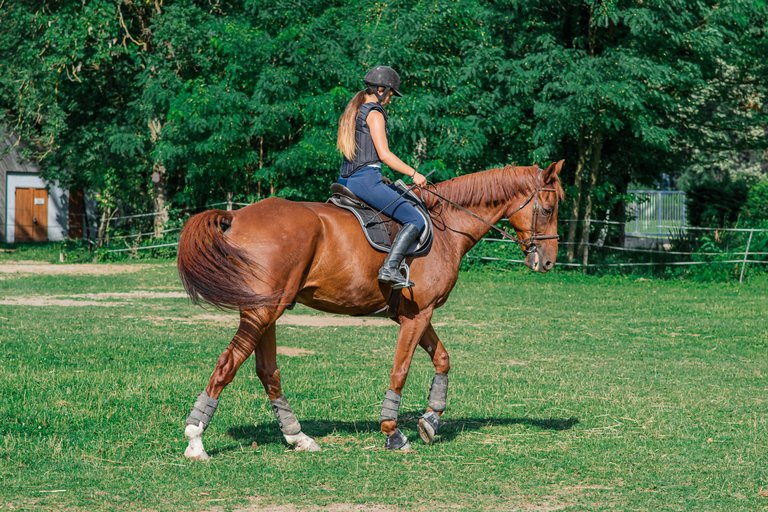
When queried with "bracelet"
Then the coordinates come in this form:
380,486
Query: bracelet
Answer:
415,172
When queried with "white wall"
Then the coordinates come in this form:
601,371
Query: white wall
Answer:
58,206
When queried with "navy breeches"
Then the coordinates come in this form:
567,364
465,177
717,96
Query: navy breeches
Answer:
366,184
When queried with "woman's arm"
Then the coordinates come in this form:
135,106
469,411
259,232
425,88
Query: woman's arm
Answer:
379,135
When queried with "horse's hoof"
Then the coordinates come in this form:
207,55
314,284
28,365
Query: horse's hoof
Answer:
195,450
193,454
428,426
397,441
307,444
303,442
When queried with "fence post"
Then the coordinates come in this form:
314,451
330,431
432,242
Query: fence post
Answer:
659,211
585,259
683,210
746,253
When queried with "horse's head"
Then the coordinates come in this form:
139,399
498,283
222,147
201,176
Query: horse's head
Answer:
536,222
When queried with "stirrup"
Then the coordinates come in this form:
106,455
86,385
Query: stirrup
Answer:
395,278
407,283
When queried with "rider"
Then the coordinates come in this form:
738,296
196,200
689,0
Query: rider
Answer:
362,139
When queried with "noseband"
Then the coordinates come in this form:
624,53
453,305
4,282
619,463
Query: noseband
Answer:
527,245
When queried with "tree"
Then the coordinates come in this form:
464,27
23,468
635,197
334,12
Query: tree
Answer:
624,83
241,100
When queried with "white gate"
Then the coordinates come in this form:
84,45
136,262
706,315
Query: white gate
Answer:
655,213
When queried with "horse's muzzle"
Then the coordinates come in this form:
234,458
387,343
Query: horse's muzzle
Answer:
539,261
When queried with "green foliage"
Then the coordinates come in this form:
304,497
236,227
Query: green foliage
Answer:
243,99
755,208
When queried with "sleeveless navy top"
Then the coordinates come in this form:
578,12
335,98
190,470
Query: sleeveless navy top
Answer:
365,153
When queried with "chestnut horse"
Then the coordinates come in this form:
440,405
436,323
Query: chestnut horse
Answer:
264,257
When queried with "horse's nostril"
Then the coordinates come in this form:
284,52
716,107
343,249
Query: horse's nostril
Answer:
548,264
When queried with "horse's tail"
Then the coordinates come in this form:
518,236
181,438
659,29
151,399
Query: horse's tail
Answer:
216,270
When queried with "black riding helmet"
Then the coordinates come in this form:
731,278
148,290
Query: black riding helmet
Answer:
383,76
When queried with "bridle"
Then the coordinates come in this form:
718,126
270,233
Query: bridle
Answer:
527,245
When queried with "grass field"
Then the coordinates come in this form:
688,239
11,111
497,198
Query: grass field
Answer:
566,393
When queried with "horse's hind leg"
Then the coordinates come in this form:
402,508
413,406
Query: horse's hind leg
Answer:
246,339
429,423
269,374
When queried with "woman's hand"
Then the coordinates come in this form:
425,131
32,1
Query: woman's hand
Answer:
418,179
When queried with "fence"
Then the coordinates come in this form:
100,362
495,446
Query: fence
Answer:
706,246
673,243
655,213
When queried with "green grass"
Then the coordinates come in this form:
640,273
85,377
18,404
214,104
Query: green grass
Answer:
566,393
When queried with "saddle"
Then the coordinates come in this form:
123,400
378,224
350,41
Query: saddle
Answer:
379,229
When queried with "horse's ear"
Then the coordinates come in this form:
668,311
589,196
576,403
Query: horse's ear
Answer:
551,171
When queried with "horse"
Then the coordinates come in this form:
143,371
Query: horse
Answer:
263,258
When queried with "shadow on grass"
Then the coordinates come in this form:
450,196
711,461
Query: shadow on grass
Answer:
449,429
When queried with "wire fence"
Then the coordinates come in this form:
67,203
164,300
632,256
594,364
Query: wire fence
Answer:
622,246
612,246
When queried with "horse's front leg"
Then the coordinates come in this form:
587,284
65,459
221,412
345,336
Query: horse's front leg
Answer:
242,345
429,423
269,374
411,331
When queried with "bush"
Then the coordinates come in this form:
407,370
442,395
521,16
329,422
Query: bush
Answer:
755,209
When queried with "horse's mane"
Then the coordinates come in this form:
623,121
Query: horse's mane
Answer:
492,186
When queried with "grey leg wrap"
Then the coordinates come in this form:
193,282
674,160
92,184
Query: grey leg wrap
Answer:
438,393
397,441
202,411
390,408
285,417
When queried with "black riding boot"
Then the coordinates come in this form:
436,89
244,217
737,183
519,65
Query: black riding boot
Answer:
390,270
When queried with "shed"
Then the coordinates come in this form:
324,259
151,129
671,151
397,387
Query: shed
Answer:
31,208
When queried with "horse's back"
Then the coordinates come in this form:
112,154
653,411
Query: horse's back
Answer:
292,219
300,233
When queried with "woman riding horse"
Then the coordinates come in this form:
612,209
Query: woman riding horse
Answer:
262,258
362,139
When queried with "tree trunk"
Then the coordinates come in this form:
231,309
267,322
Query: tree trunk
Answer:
597,150
160,198
261,165
160,183
573,221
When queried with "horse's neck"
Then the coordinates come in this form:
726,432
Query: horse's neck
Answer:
463,230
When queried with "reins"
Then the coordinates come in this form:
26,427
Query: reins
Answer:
528,244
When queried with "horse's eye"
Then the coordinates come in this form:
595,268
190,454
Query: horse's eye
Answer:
546,211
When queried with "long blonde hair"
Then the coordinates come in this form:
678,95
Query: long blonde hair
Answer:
345,138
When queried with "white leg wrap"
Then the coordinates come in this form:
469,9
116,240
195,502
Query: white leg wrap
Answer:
195,450
303,442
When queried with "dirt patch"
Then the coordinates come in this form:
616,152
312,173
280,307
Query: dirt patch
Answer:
97,299
54,301
289,320
37,267
131,295
294,352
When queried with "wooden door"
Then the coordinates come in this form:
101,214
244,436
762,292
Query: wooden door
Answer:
76,214
31,215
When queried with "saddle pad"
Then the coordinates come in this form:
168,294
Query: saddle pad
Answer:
381,230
